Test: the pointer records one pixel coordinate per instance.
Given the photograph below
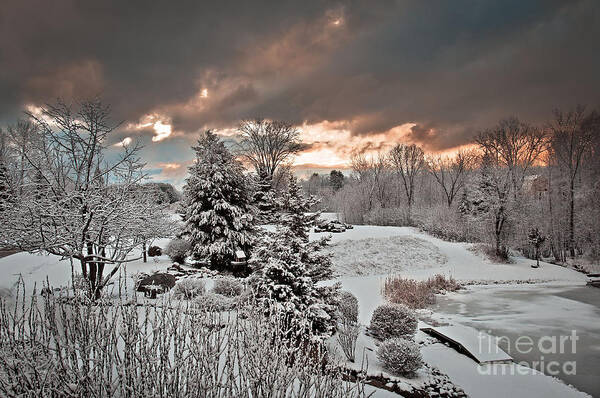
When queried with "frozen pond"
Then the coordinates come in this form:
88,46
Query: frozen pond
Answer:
531,321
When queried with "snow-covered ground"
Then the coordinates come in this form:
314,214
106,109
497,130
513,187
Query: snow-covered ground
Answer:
371,256
461,263
374,252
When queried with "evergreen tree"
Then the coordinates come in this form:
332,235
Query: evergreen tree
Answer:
264,199
336,180
5,190
287,266
216,207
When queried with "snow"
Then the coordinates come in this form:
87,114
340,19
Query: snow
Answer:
478,344
372,256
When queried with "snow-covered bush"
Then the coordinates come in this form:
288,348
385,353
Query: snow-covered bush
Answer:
400,356
177,250
215,302
347,334
348,328
80,283
393,320
388,216
447,223
348,306
228,287
440,284
154,251
417,294
189,288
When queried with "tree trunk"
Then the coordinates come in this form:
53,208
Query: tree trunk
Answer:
144,252
572,218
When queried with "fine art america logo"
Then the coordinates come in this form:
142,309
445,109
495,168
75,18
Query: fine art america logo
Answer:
535,349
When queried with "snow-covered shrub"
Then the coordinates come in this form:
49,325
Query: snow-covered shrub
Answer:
80,284
347,335
412,293
440,284
177,250
388,216
393,320
215,302
400,356
348,328
447,223
228,287
348,306
417,294
154,251
189,288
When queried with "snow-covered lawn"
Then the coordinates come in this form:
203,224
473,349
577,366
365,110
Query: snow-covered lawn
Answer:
379,256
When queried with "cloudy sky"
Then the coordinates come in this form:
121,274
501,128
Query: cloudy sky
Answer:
355,75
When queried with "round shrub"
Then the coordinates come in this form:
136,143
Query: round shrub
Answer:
348,306
399,356
393,320
215,302
154,251
177,250
228,287
189,289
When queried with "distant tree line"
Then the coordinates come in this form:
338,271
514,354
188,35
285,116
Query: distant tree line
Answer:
514,178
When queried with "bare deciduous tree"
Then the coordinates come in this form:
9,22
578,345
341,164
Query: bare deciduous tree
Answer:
77,205
571,138
408,162
450,173
371,171
268,144
515,145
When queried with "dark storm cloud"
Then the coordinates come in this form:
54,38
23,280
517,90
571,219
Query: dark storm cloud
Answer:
449,67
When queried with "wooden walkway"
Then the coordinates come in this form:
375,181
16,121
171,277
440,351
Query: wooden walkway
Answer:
478,345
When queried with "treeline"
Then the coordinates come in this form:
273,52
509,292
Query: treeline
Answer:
514,181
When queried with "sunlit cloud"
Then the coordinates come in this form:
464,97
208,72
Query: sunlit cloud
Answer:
160,124
126,141
332,143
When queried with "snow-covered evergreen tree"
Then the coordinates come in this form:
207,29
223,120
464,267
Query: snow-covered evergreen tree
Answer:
263,199
5,189
287,266
217,213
